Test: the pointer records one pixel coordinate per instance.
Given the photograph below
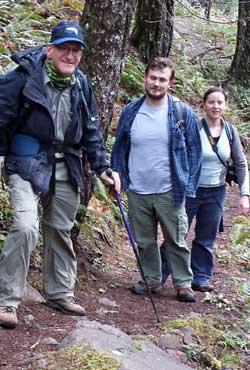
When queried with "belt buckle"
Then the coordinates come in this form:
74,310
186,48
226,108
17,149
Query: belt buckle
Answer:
59,155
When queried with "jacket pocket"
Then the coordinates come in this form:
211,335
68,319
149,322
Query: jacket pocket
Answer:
35,169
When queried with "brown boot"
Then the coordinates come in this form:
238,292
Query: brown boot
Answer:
67,306
140,288
8,317
186,295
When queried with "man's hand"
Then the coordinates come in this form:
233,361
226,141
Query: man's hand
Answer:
113,179
244,205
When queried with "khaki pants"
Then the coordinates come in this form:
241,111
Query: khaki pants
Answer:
59,265
145,213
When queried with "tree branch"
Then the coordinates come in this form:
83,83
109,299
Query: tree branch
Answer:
201,55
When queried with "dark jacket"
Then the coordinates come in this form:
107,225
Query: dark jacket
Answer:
24,109
184,149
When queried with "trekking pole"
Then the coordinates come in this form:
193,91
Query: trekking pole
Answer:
132,241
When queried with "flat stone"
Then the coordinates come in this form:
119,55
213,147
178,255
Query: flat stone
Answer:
107,302
50,341
187,335
32,295
170,341
133,354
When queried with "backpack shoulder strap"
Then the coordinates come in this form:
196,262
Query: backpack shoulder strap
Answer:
82,78
229,132
211,140
179,114
83,85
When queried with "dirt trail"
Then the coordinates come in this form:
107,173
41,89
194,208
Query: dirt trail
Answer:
134,314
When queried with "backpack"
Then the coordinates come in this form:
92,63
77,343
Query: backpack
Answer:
179,114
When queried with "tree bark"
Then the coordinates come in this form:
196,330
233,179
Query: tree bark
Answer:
106,24
153,32
240,68
208,8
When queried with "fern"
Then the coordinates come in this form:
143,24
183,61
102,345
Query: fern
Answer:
241,232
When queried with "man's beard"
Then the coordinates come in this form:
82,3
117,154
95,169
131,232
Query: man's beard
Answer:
155,97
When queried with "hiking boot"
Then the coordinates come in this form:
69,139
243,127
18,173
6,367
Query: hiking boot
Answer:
67,305
203,287
185,295
8,317
140,288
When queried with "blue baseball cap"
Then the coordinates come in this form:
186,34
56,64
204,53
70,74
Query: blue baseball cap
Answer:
65,32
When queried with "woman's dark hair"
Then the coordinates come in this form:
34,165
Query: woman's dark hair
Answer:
161,63
214,89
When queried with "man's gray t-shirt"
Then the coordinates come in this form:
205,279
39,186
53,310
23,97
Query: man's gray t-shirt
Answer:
149,169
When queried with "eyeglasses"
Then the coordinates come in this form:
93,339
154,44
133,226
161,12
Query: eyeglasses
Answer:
65,50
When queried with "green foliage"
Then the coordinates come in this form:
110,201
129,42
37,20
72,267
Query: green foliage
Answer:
241,231
26,26
2,239
230,359
213,341
76,358
203,54
228,7
5,210
241,98
232,340
101,194
109,144
244,291
131,79
219,300
241,241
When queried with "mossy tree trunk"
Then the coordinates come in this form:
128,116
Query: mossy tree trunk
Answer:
240,68
153,32
106,25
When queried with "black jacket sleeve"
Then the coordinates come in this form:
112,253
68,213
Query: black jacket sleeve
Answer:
11,87
92,140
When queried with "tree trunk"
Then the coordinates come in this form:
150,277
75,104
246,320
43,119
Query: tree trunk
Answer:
240,68
208,9
106,25
153,32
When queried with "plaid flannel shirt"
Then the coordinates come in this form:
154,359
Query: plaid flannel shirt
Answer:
184,149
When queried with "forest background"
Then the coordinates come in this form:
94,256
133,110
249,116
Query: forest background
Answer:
208,41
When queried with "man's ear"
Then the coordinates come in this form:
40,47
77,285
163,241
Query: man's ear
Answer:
48,50
170,84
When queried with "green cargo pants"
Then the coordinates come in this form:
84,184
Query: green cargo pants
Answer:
59,264
145,213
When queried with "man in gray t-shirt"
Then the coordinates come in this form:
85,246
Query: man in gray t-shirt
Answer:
159,164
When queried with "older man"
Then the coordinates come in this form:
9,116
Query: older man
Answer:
48,114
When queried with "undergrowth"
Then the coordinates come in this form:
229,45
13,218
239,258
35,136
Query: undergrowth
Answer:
77,357
216,343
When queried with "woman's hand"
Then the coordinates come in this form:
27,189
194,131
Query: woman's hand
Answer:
244,205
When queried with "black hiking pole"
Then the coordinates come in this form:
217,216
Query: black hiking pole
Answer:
132,241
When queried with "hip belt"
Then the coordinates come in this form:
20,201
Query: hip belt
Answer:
25,145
